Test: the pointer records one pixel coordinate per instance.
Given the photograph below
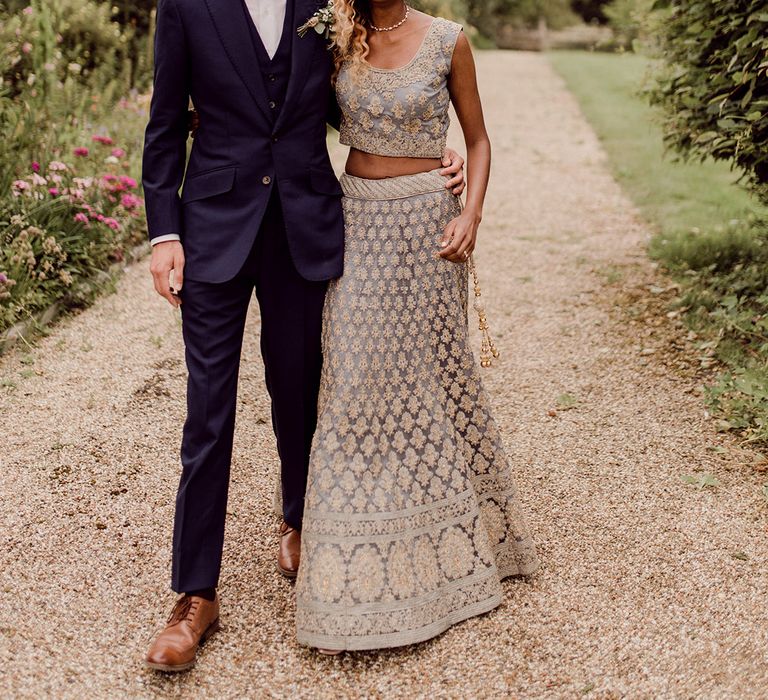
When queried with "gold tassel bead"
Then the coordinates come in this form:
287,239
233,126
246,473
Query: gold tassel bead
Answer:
488,349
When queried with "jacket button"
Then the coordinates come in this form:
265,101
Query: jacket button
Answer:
272,104
274,139
267,180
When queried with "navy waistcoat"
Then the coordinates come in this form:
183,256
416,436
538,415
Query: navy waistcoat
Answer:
275,71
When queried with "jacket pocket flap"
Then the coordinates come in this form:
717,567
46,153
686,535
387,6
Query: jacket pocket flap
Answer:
325,182
208,184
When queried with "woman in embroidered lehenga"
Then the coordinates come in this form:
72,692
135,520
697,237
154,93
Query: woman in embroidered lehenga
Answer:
411,517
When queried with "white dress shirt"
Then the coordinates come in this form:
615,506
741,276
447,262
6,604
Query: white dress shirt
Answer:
269,18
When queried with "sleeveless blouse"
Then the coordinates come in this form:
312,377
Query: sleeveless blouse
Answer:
402,111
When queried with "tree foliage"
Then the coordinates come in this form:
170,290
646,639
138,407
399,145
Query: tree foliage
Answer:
452,9
487,15
714,84
630,20
590,10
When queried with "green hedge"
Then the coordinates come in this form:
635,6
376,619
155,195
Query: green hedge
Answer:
714,84
712,88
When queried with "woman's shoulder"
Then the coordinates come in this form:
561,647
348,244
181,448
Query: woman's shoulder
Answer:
447,26
445,34
436,22
445,31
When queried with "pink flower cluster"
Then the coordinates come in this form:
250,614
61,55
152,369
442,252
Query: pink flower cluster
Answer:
103,140
20,187
90,214
93,196
117,184
131,201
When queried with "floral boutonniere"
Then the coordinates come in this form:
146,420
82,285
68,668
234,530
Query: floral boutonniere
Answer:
322,21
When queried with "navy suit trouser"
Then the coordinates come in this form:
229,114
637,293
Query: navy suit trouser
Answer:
213,317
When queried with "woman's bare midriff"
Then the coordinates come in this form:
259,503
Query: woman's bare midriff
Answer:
371,167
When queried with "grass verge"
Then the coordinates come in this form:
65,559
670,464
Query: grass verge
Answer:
710,234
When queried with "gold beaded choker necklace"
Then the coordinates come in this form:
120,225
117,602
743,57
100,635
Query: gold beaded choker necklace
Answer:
394,26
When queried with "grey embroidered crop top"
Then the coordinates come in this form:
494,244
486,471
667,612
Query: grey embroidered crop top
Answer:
401,111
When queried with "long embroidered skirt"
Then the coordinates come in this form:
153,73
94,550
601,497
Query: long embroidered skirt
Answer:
411,516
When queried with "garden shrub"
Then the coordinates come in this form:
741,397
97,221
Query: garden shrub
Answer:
70,40
62,70
713,87
70,145
61,225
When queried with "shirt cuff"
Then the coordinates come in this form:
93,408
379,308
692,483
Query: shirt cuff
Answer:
165,239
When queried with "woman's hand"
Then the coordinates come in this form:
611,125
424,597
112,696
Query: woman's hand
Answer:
460,237
193,122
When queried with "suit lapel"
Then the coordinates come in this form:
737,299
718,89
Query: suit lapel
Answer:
229,19
302,51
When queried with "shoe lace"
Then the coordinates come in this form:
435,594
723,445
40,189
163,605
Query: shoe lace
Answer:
184,609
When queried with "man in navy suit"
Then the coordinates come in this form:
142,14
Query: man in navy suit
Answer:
260,210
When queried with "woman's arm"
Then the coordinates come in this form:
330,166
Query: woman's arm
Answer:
461,234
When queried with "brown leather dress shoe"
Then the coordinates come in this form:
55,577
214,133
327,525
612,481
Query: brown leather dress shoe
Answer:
193,621
290,550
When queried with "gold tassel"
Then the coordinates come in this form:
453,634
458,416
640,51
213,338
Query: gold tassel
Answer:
488,350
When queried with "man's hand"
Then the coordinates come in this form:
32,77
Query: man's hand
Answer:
167,269
453,164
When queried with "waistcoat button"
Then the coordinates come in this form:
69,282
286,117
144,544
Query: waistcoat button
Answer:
267,180
272,104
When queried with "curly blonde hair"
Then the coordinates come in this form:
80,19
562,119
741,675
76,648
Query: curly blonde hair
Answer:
350,38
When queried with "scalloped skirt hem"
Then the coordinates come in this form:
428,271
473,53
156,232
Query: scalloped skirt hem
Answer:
435,629
398,639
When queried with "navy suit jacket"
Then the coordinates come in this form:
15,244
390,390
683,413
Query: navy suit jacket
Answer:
204,50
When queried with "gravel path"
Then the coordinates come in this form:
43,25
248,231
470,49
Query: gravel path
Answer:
650,587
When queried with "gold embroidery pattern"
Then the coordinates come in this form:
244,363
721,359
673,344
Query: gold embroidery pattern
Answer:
412,518
401,112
